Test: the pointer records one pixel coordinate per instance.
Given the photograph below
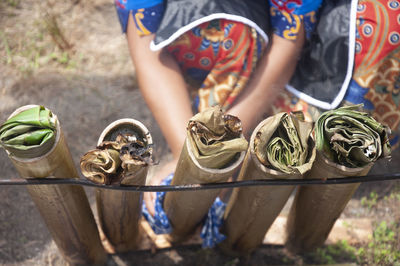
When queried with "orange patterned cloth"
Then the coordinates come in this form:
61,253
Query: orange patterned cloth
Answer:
218,57
376,77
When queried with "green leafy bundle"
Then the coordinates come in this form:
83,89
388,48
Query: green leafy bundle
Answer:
351,137
30,132
283,144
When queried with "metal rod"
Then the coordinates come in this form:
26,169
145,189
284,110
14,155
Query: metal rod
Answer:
193,187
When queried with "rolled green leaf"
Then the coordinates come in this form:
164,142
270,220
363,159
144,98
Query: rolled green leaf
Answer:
285,146
350,137
29,133
28,129
36,116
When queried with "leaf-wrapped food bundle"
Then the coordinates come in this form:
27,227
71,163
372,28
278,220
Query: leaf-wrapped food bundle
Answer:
283,144
100,166
350,137
29,133
112,161
215,137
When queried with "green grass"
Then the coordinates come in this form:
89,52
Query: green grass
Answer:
370,201
340,252
41,45
12,3
4,42
383,248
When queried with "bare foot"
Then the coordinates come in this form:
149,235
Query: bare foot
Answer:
150,197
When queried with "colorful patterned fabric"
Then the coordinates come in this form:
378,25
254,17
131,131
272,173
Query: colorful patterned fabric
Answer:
288,102
218,57
376,77
288,15
147,14
210,230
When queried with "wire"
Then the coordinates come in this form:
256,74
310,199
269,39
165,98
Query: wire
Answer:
194,187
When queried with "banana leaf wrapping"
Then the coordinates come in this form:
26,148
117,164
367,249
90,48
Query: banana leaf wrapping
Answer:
29,133
117,161
65,209
351,137
280,147
213,150
123,154
348,142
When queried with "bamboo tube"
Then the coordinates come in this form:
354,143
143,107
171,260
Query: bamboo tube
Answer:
316,208
65,209
348,141
120,211
185,210
252,210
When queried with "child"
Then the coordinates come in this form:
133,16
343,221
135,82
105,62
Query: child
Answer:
214,46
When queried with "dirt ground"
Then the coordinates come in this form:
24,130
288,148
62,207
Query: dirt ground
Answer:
71,57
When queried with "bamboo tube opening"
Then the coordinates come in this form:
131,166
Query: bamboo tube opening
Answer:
34,153
229,167
342,171
272,173
54,161
125,126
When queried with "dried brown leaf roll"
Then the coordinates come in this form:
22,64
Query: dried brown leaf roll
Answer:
114,161
215,137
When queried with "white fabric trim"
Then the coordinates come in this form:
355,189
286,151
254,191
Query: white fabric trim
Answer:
180,31
307,98
349,74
